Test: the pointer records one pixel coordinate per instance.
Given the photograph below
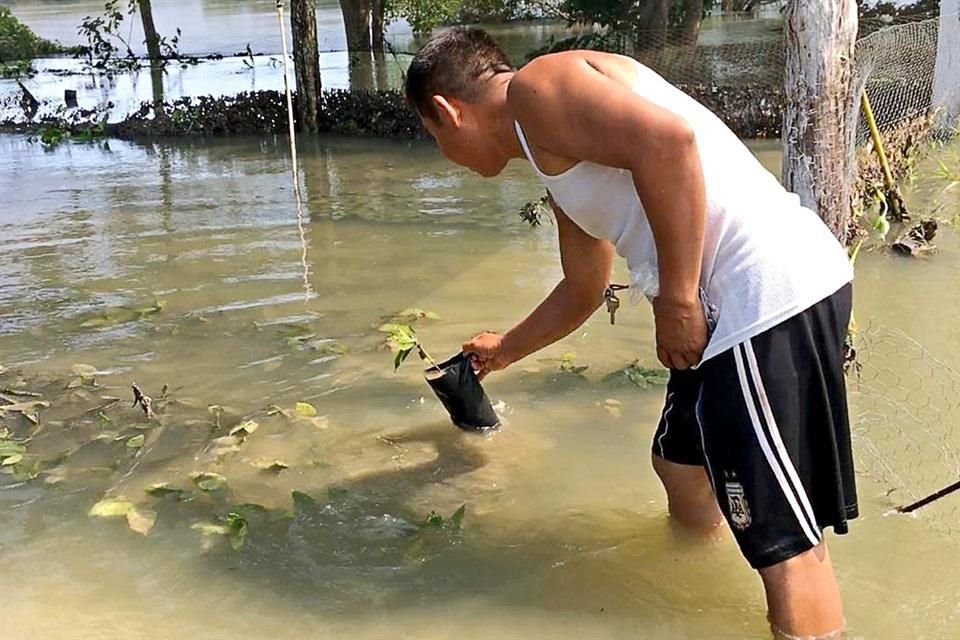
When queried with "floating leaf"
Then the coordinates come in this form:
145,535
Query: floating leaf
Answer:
225,445
136,441
273,466
306,410
333,349
291,330
25,408
111,508
303,501
455,521
237,529
162,490
141,521
84,370
11,460
210,529
274,410
244,428
434,519
208,481
10,448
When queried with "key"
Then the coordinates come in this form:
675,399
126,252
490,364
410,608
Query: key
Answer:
613,303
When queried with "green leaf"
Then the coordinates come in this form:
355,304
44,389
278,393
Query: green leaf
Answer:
10,448
111,508
305,409
161,490
303,502
237,529
244,428
434,519
400,357
12,460
455,521
141,521
207,481
136,441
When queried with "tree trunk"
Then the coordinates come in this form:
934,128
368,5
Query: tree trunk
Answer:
693,15
653,20
150,36
821,114
306,62
356,23
377,21
946,82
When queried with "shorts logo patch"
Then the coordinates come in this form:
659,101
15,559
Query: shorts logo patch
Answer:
739,509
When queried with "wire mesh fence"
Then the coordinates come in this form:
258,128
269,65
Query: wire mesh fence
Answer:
905,415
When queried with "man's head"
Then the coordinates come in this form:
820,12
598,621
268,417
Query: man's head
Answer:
449,85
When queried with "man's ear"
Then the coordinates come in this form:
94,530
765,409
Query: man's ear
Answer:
447,111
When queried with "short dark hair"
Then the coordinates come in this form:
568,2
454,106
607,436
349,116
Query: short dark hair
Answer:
450,64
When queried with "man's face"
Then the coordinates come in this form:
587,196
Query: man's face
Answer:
464,141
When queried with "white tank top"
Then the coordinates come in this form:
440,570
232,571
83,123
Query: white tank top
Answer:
766,257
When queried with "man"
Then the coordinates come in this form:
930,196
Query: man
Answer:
750,291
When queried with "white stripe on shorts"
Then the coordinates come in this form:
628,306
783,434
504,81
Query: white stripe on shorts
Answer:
775,465
792,474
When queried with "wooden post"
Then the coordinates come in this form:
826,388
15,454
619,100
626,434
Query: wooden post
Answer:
820,117
306,62
946,81
150,35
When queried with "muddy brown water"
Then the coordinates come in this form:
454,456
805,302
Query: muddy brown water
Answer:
565,532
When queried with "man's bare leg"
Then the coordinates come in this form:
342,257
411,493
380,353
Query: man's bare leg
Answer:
803,598
690,497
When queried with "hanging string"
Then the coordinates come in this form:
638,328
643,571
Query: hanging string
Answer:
293,155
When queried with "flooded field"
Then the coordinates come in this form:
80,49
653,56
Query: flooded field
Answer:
181,265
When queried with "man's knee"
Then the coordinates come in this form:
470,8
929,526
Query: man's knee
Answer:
689,495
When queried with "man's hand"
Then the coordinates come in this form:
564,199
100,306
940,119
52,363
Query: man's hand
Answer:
486,353
681,332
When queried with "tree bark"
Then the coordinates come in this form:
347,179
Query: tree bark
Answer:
821,113
946,81
150,36
692,18
377,22
653,21
306,62
356,23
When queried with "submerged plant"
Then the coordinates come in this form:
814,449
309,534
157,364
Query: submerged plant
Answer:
639,375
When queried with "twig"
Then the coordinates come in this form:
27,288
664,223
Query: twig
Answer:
21,393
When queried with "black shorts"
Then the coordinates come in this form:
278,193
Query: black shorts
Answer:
768,419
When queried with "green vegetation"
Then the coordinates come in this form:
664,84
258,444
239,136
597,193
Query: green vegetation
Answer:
18,42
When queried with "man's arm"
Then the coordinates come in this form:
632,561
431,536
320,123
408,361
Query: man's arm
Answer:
586,263
571,109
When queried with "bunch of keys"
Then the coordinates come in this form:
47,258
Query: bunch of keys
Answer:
613,302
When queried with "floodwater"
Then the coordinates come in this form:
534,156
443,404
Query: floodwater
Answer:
565,532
